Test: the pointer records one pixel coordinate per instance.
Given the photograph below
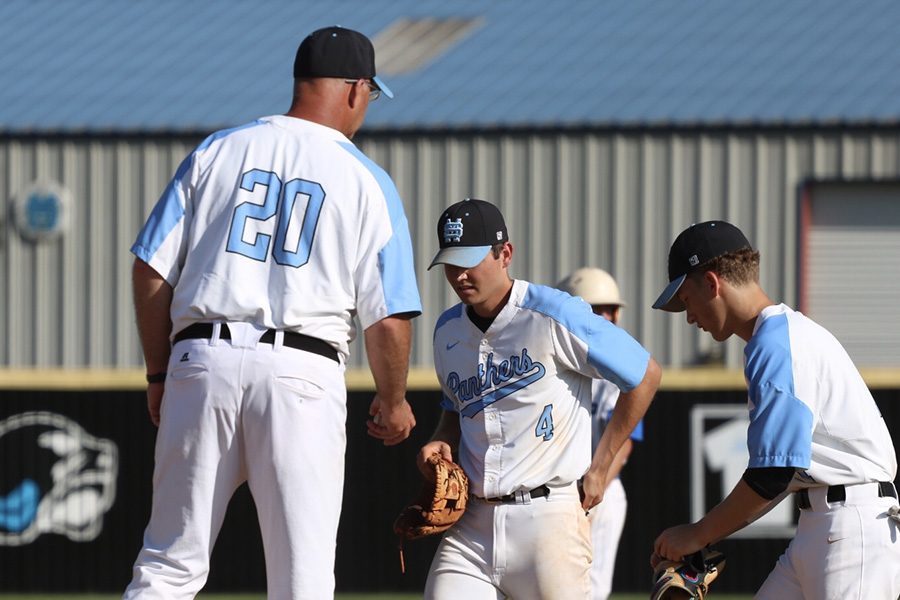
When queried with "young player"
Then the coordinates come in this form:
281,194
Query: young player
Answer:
515,361
814,430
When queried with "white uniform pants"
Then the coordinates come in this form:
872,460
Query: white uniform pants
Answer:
847,550
269,415
535,550
607,521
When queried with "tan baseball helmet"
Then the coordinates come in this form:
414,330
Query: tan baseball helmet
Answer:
595,286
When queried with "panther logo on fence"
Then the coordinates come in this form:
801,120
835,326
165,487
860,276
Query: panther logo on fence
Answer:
54,478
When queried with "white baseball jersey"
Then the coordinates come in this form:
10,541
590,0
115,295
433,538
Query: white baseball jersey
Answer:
523,387
810,409
253,251
809,406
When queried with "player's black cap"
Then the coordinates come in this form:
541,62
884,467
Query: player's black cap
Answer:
695,246
338,52
466,231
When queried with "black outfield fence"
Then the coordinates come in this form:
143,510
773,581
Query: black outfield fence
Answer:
76,470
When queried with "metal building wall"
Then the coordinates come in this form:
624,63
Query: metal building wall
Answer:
613,199
616,199
852,234
67,302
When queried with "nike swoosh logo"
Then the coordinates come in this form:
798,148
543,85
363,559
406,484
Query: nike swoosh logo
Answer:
450,346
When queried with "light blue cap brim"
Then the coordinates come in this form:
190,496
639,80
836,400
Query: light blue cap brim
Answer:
383,87
668,300
460,256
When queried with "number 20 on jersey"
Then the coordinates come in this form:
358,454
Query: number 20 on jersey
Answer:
281,202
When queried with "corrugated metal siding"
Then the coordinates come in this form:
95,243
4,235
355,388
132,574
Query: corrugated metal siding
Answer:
853,259
610,199
67,302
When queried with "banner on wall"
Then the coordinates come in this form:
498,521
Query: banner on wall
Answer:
57,478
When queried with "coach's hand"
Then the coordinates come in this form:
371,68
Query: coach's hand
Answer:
391,422
154,401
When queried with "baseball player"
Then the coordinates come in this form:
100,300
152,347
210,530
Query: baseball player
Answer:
266,243
515,362
599,289
814,431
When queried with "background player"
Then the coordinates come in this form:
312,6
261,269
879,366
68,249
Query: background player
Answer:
814,429
599,289
268,240
515,361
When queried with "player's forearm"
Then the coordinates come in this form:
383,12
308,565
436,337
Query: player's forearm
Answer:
619,460
741,507
152,305
388,344
630,409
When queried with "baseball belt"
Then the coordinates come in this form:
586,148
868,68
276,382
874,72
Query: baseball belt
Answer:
538,492
292,339
838,493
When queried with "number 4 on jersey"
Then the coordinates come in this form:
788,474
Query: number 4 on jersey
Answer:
545,424
281,203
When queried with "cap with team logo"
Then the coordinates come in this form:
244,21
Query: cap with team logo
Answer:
466,231
338,52
694,247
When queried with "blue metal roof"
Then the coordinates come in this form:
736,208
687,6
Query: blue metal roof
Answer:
148,65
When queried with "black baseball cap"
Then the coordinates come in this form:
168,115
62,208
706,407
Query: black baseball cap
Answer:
694,247
466,231
338,52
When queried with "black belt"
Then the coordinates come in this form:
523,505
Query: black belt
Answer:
838,493
538,492
291,339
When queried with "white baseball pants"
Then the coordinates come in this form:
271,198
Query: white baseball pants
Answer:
538,549
266,414
847,550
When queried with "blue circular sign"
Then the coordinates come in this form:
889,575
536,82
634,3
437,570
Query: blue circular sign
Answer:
41,211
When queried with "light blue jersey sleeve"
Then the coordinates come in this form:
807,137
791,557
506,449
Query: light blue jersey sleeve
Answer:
395,259
780,431
161,241
610,350
449,316
166,216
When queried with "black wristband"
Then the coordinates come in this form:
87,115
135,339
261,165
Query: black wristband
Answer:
156,377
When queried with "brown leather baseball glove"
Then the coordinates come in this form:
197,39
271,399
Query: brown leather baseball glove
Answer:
689,578
440,503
